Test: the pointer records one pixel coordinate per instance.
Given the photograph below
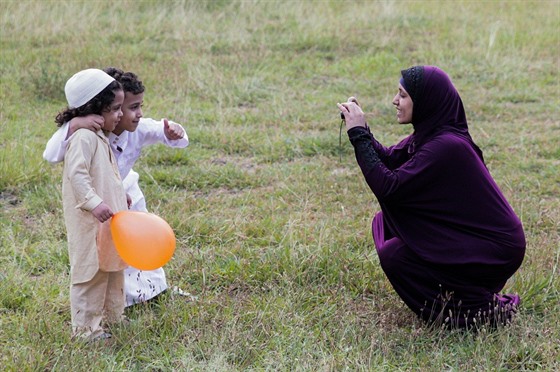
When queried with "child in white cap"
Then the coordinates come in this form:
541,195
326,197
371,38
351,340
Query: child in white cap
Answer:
133,133
92,192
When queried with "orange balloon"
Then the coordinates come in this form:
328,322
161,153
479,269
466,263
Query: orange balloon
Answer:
143,240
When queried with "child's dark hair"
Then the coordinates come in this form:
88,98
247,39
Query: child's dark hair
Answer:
129,80
96,105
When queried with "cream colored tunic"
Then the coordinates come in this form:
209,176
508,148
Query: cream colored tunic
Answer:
90,176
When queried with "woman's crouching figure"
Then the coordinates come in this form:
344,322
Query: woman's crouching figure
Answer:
446,237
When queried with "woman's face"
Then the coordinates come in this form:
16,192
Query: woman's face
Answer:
132,112
403,103
112,115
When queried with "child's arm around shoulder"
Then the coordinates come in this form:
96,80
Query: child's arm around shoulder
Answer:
56,146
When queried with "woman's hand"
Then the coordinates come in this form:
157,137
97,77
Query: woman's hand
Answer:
353,114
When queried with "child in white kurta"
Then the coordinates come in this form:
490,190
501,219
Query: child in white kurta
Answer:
140,285
91,192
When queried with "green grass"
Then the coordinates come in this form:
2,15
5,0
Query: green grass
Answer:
271,216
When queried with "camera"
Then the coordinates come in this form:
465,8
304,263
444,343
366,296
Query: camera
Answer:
351,99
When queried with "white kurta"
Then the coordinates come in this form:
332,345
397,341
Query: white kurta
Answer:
139,285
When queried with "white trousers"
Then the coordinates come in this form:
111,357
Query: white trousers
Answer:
140,285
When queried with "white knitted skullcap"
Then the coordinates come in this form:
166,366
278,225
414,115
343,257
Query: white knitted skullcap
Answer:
85,85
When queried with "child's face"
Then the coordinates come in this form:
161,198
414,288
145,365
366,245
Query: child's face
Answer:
132,112
113,113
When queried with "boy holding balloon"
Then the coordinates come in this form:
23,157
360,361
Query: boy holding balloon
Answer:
91,192
132,133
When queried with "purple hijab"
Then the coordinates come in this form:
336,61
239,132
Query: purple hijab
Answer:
434,189
437,106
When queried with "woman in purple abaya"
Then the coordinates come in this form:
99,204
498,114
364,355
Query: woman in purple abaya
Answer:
446,237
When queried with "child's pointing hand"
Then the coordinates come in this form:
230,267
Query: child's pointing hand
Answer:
172,131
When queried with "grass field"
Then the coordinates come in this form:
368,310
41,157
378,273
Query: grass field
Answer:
271,216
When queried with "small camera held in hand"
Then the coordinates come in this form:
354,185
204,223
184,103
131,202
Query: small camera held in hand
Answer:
351,99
